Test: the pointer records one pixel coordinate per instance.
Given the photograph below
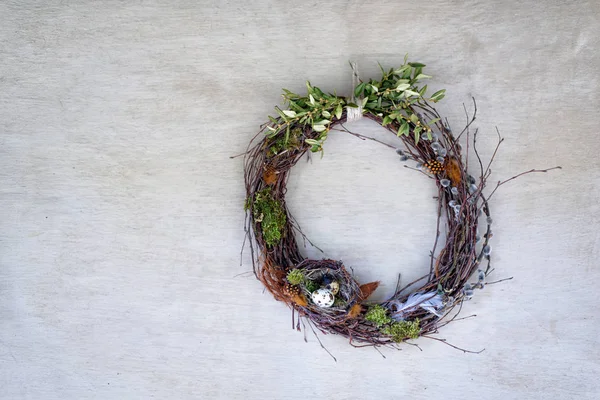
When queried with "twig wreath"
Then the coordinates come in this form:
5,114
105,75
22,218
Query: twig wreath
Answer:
323,293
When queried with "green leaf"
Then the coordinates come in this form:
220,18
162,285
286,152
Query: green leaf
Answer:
271,128
289,113
338,111
280,113
402,86
319,128
375,90
359,89
422,76
405,128
386,120
416,65
309,87
413,118
437,96
433,121
417,132
326,114
352,105
312,142
411,93
364,101
423,90
402,70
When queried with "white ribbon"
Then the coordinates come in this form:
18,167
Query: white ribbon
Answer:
354,114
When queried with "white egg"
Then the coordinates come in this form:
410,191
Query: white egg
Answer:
323,297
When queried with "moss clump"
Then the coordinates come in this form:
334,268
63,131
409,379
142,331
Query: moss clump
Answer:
271,215
295,277
402,330
282,142
311,286
339,302
378,316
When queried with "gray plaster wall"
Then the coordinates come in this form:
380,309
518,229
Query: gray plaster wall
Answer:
121,212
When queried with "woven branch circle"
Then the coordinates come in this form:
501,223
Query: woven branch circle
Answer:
324,293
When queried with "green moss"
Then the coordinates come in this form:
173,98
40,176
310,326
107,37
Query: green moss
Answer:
311,286
295,277
378,316
270,214
281,142
402,330
339,302
247,204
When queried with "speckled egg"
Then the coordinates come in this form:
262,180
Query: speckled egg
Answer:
333,287
323,297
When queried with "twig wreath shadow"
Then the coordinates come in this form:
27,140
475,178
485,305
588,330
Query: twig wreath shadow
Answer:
323,294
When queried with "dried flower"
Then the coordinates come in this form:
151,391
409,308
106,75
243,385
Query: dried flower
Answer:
270,176
367,289
453,171
355,311
300,300
434,166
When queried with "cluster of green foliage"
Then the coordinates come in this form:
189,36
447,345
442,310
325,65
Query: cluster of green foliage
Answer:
402,330
339,302
399,331
378,316
271,215
295,277
311,286
281,143
391,98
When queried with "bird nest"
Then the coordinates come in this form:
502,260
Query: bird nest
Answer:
323,293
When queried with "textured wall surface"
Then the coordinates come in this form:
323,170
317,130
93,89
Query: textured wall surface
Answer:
121,211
